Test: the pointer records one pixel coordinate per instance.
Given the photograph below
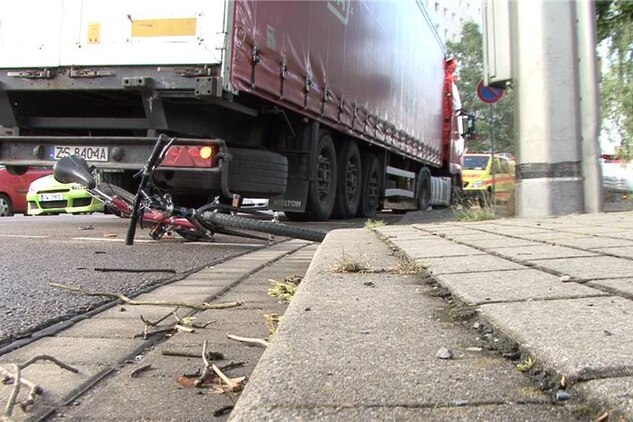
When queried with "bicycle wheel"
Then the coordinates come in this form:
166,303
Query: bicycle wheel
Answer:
216,221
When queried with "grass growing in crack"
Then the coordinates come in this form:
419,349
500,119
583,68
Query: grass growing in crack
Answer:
485,211
461,312
526,364
372,224
350,264
474,214
407,265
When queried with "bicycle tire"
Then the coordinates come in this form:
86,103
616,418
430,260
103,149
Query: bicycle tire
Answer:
210,219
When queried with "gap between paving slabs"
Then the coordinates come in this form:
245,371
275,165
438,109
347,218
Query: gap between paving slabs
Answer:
93,366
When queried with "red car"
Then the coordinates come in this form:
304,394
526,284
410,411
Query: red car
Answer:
13,189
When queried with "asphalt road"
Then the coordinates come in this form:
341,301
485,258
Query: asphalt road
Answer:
71,250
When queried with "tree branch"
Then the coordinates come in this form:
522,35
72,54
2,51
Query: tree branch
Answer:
201,307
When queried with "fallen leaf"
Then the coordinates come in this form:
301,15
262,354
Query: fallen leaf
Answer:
186,382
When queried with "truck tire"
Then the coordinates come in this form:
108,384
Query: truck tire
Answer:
370,189
349,180
124,180
424,189
322,190
215,221
255,172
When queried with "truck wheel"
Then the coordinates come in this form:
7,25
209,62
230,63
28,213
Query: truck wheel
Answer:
349,181
6,210
370,189
424,189
124,180
322,192
256,172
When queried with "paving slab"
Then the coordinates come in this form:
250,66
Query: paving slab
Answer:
499,242
597,230
588,268
593,242
580,338
622,286
132,312
503,229
180,289
615,394
57,384
403,232
93,351
550,236
437,249
623,251
511,286
539,251
116,328
144,399
468,264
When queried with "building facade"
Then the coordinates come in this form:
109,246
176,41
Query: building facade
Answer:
450,15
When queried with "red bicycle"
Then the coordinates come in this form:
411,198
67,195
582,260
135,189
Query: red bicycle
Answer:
157,209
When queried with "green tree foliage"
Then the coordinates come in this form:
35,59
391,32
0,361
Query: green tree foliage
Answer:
469,54
615,28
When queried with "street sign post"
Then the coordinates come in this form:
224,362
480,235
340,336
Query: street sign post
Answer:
490,95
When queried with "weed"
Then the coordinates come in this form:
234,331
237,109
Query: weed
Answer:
372,224
407,265
284,290
272,322
482,213
526,364
350,264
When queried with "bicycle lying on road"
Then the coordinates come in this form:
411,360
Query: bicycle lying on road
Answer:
149,205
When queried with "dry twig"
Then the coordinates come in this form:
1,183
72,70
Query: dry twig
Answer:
143,368
18,381
201,307
233,384
186,354
206,372
248,340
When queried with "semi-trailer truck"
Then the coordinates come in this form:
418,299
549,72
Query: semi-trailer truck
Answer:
331,109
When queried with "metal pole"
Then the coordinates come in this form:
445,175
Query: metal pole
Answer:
491,133
549,174
589,105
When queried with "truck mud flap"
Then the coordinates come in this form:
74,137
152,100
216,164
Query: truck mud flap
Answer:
294,199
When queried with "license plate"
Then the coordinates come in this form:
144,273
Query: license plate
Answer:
87,153
45,197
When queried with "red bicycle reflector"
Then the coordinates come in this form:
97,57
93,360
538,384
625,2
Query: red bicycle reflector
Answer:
188,156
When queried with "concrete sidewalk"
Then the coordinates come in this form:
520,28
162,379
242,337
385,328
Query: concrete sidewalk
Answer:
510,320
553,296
